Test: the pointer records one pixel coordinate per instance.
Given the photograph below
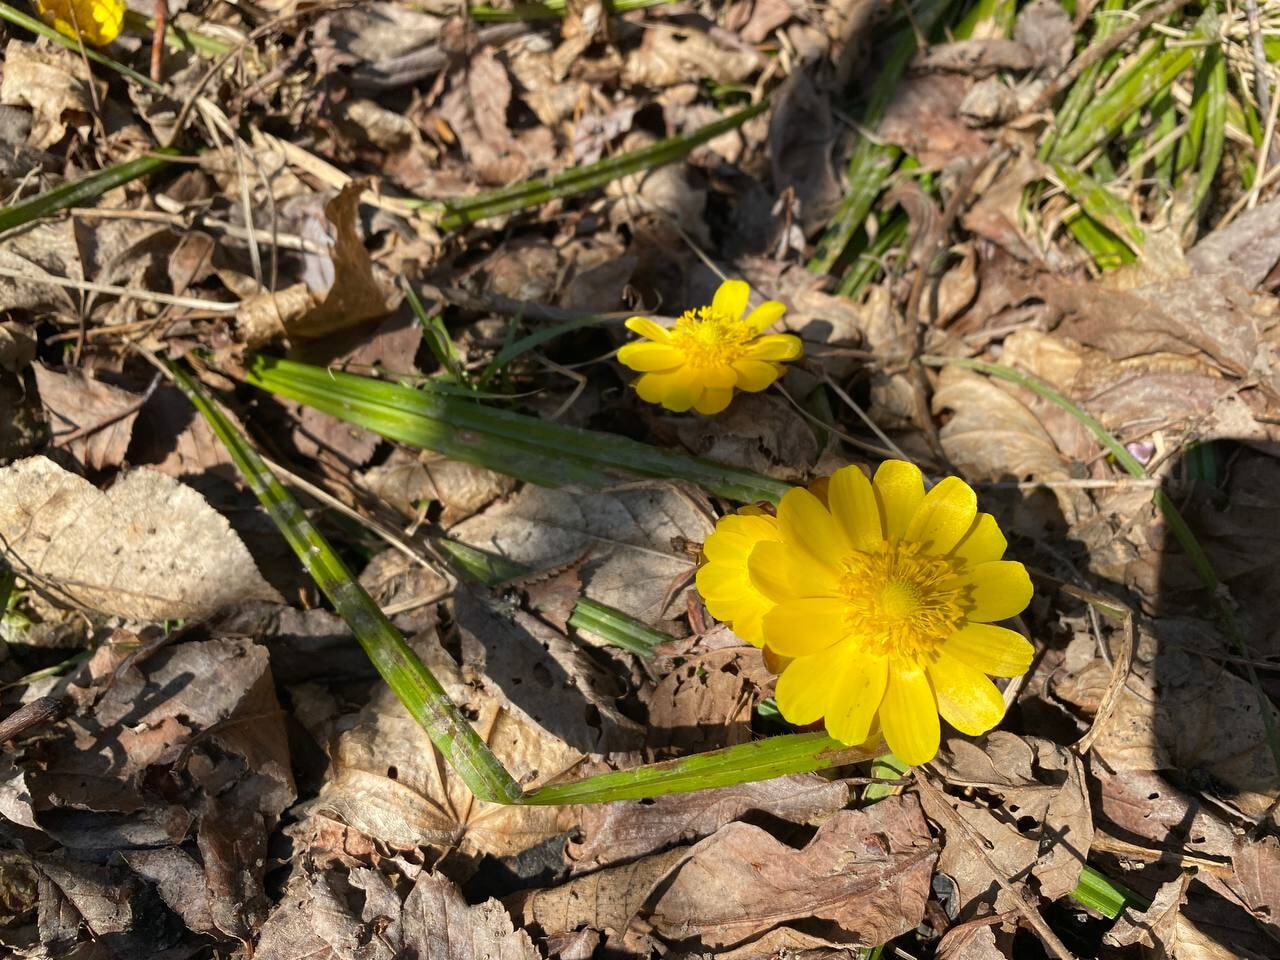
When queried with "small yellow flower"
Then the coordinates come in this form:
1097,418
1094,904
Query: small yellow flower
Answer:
99,21
710,352
883,601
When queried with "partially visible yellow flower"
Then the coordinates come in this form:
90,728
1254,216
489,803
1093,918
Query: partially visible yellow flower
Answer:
884,599
710,352
723,581
99,21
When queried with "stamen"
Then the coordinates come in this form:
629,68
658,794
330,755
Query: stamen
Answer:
710,339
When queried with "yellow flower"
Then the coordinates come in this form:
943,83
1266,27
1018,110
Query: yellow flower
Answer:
99,21
884,599
710,352
723,582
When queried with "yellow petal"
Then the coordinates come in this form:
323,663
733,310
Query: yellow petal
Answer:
721,582
966,698
769,568
765,316
800,628
778,346
749,624
756,375
854,507
855,698
682,389
991,649
909,716
804,687
804,521
983,543
649,329
652,387
644,356
731,299
1000,589
713,400
900,488
944,516
722,377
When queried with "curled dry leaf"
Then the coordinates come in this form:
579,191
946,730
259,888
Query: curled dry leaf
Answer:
149,548
406,481
76,402
632,565
622,831
319,917
759,432
1042,824
706,702
54,82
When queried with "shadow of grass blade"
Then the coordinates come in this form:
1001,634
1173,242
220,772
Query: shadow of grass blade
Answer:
407,676
81,191
528,448
531,193
744,763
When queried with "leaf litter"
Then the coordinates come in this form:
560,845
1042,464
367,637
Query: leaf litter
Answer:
211,764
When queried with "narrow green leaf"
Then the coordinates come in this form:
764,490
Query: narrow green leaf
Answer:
885,767
1107,250
79,192
869,262
744,763
532,341
1099,892
1137,86
531,193
437,337
176,37
531,449
620,629
1101,204
1214,136
415,685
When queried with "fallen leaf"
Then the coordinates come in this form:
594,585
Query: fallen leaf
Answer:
1042,825
149,548
975,940
759,432
321,916
76,402
409,481
669,55
615,832
17,346
923,119
632,565
865,872
387,781
706,702
54,82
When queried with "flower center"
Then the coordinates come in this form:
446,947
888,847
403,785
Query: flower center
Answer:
710,339
901,602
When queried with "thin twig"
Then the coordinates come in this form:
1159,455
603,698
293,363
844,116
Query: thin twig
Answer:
1119,669
955,823
192,303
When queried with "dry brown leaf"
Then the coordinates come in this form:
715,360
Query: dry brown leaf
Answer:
706,702
621,831
17,346
1042,824
632,565
671,55
865,872
387,781
759,432
76,401
360,916
406,481
149,548
538,670
975,940
923,119
993,436
54,82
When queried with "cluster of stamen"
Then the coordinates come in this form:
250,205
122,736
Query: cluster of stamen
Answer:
710,339
903,603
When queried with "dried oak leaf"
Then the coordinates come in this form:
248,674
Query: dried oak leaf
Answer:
149,548
360,916
863,879
629,829
632,565
75,401
387,781
1042,825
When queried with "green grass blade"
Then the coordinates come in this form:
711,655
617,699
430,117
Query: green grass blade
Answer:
437,337
620,629
1137,86
1107,250
531,449
534,340
744,763
176,37
40,28
1214,135
85,189
1099,892
1100,204
415,685
892,234
869,167
531,193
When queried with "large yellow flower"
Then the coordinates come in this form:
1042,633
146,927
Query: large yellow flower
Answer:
99,21
710,352
883,600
